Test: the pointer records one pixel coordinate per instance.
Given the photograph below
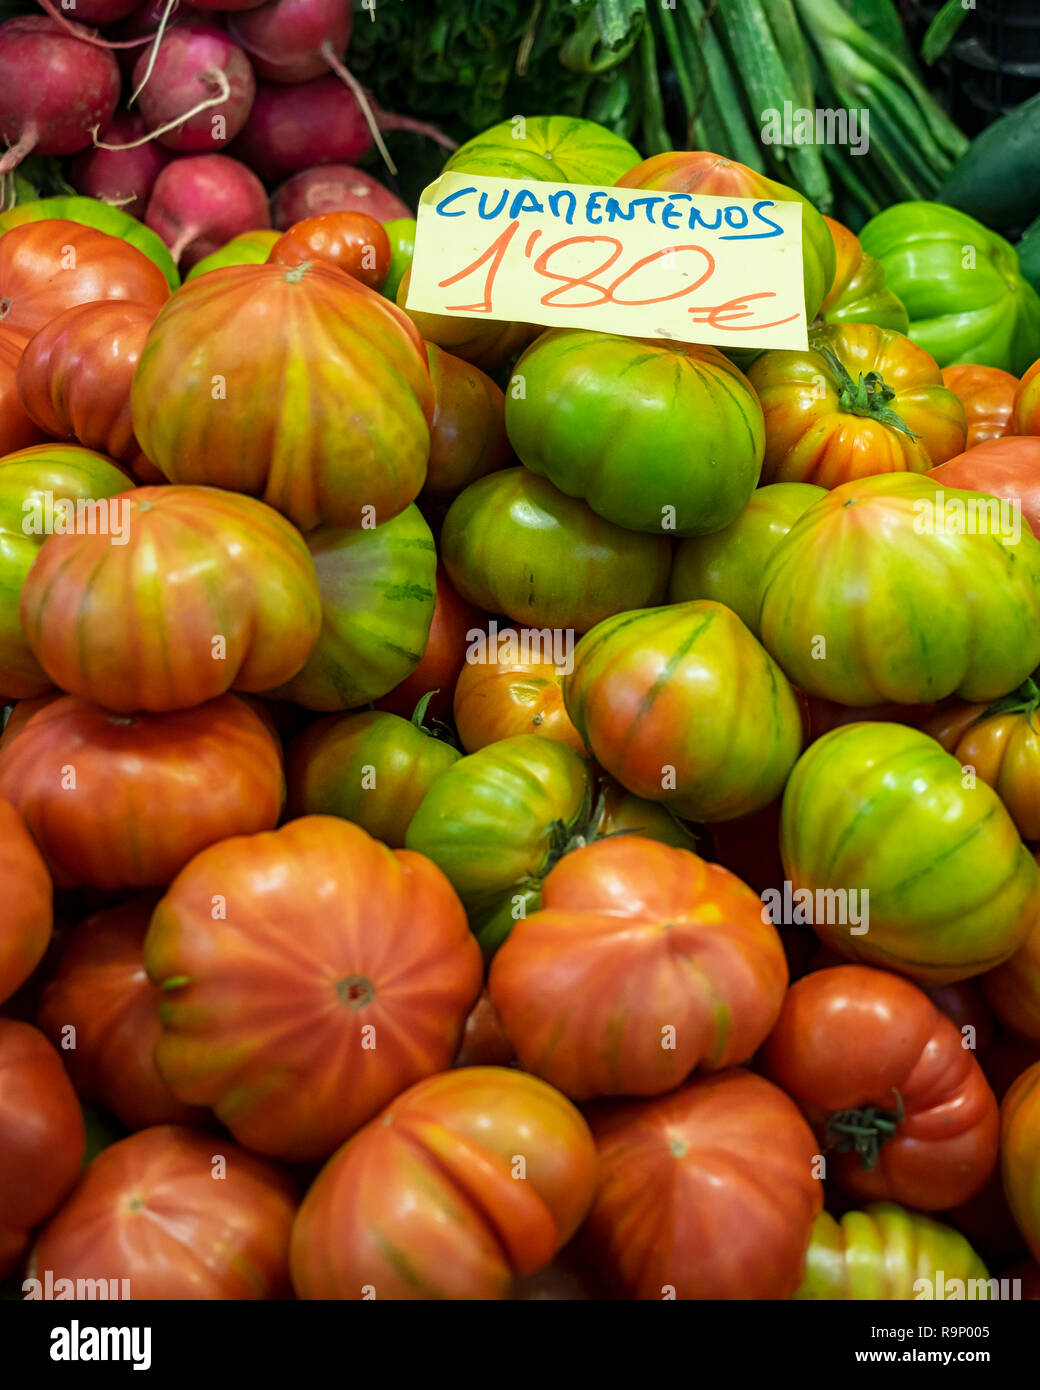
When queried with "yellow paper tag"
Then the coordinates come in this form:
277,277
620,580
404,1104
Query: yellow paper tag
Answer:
625,260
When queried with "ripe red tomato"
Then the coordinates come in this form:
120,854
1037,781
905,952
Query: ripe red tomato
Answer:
17,430
75,373
425,1201
444,657
179,1214
705,1193
101,990
468,429
643,963
353,241
884,1079
124,801
46,267
42,1137
1020,1154
206,590
1006,468
323,993
26,913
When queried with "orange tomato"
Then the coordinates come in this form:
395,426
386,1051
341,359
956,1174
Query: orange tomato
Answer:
987,395
425,1201
499,698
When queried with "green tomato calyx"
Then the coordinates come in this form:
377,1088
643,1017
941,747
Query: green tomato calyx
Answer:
864,1131
868,397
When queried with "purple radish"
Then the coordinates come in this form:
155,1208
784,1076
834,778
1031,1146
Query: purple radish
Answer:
124,178
334,188
292,128
201,201
228,4
197,68
284,38
142,25
93,11
55,90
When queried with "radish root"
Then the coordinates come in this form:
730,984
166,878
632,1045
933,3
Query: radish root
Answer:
210,75
91,36
171,5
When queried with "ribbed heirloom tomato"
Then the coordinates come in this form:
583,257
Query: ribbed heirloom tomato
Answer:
372,768
152,1209
124,801
377,600
987,394
728,565
1007,468
707,1192
425,1201
46,267
513,543
17,429
443,657
468,432
299,386
862,400
75,373
42,1138
100,989
1001,742
890,589
496,821
882,1252
40,486
642,963
900,1105
858,292
26,904
333,973
948,888
663,437
209,590
682,705
1020,1154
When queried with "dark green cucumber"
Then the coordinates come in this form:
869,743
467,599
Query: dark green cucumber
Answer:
998,179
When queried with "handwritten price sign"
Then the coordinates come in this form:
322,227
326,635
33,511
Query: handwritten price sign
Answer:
624,260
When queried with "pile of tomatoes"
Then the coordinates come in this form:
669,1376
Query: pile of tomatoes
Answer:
496,813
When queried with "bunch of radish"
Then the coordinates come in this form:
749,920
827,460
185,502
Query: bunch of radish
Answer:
181,113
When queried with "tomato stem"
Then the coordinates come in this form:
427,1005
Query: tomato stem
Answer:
868,397
1023,700
864,1131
